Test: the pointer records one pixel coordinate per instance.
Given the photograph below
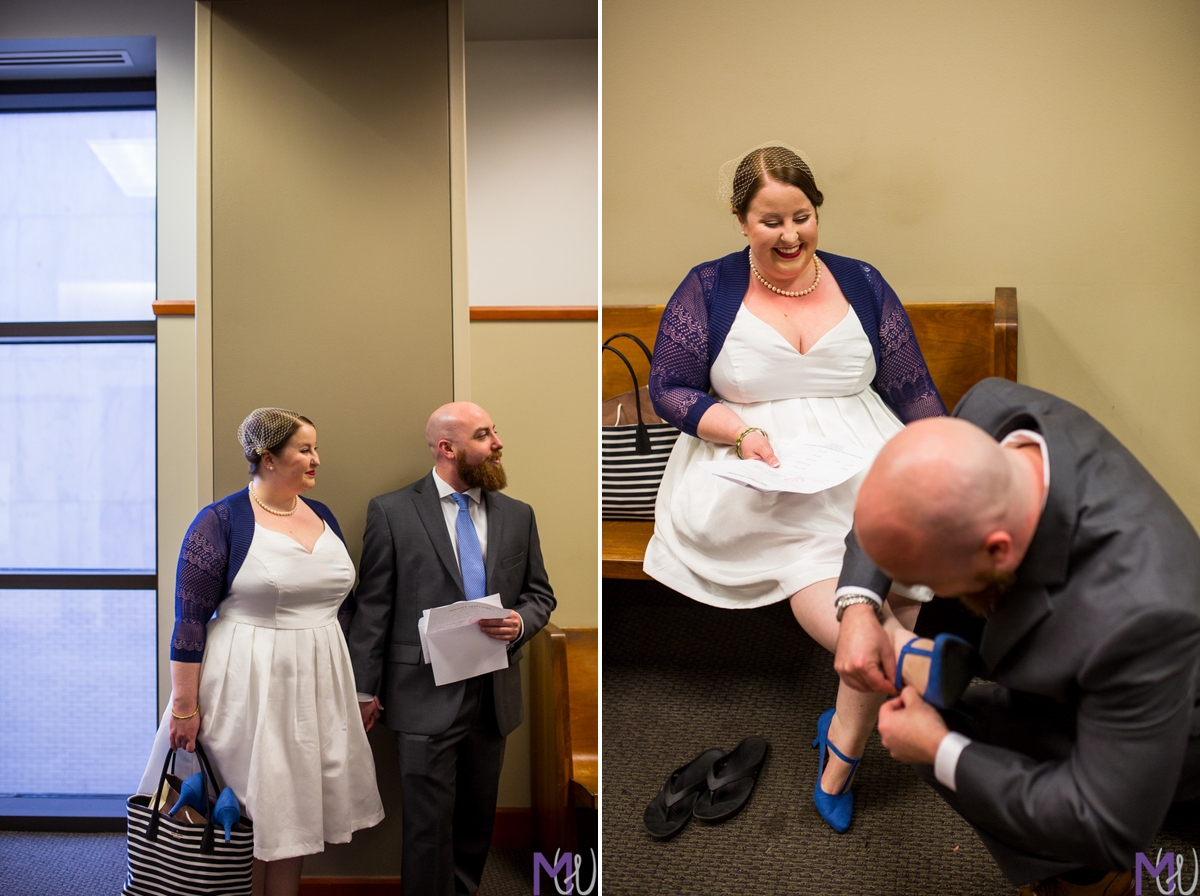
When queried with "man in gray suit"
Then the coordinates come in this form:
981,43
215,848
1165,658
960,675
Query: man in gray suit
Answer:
1088,577
447,537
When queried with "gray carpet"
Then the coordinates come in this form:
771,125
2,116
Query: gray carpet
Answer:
679,677
40,864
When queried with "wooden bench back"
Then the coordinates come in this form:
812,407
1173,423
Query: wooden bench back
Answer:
963,342
564,732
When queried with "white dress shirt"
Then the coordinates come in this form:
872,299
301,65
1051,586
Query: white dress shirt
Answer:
478,511
945,763
450,512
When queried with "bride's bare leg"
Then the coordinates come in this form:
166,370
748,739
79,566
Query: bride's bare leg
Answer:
856,711
278,878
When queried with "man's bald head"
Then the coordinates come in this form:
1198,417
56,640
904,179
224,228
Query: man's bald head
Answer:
932,497
453,422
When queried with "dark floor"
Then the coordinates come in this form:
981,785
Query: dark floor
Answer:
679,677
94,865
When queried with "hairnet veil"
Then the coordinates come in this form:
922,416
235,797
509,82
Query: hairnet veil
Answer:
734,178
264,428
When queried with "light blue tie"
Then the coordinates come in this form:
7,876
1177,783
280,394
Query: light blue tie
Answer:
470,555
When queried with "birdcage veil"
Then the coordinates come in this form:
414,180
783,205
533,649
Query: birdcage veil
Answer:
735,177
265,428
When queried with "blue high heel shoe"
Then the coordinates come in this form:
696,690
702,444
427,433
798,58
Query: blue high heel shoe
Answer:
835,808
227,812
191,793
951,668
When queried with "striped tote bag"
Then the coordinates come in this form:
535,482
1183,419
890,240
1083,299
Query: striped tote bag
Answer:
632,455
168,857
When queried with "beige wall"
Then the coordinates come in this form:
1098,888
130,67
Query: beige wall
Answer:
960,147
538,381
331,260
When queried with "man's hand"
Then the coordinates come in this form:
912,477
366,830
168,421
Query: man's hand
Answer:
911,729
506,629
370,711
864,659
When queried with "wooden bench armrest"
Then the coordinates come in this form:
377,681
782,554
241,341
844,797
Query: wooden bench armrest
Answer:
564,736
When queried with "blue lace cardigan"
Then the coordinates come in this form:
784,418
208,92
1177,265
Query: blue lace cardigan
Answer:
213,551
701,312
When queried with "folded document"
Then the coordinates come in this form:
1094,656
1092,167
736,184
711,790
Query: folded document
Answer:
456,647
805,467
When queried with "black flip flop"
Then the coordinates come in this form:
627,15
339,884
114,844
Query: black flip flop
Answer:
672,807
731,780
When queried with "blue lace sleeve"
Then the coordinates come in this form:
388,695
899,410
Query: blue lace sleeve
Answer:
903,380
679,375
199,582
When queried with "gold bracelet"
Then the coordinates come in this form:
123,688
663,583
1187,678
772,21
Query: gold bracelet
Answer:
737,446
189,715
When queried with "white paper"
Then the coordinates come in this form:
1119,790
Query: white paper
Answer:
423,622
456,646
805,467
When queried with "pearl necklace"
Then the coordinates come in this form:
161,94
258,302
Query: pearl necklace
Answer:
784,292
259,502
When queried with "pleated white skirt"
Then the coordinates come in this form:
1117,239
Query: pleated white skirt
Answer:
279,712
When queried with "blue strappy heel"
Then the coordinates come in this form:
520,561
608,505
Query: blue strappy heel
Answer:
191,793
951,668
227,812
835,808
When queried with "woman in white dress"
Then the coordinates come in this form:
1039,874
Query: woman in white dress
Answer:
260,672
758,349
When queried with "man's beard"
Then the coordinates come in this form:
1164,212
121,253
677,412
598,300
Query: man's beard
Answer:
484,475
983,603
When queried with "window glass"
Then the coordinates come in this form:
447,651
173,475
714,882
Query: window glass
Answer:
77,216
77,691
77,464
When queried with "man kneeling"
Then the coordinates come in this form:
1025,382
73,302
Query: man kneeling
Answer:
1088,577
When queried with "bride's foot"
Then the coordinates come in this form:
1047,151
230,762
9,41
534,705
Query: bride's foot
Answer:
940,669
837,772
915,670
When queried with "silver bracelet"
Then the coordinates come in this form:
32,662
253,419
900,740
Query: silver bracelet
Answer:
848,600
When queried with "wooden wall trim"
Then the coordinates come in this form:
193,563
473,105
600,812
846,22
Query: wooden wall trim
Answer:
535,312
163,309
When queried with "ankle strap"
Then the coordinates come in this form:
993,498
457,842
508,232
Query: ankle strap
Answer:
842,756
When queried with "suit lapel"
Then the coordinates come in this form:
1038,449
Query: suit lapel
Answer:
429,509
1046,562
495,531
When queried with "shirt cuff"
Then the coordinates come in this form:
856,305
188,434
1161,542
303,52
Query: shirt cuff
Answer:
365,698
847,590
945,764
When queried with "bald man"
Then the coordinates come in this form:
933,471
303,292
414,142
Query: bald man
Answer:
1088,578
447,537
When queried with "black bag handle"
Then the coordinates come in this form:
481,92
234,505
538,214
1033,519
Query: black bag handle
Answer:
641,436
206,778
642,345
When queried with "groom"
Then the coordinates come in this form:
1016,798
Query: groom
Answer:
447,537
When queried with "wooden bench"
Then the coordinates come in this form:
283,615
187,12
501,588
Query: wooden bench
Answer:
963,343
564,738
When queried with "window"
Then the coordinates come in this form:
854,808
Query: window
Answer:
77,451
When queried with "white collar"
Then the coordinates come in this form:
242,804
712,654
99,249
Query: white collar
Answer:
445,489
1018,438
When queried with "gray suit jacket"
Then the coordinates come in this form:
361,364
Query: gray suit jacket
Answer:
408,566
1102,625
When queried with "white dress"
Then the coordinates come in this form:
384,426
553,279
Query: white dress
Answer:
279,712
729,546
